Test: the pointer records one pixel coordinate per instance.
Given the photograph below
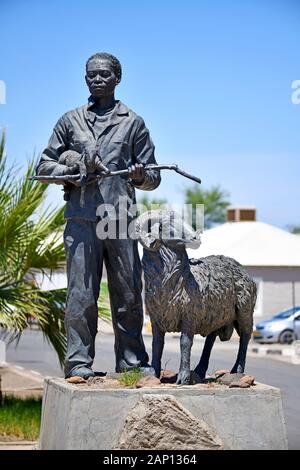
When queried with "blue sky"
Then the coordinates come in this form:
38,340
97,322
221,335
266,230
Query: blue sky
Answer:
211,79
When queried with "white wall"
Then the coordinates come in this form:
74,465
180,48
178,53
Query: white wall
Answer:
277,288
59,280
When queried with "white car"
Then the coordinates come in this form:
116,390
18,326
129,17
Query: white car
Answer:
283,328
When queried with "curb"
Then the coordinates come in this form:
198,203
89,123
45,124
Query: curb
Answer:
18,445
287,354
20,382
263,351
19,370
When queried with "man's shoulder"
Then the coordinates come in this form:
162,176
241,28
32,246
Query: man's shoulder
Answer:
124,109
79,111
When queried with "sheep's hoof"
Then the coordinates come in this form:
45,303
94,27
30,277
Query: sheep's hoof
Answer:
237,370
196,378
184,378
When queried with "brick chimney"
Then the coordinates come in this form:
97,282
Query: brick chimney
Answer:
241,214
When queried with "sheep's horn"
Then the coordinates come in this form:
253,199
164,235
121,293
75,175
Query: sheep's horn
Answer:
141,223
141,227
145,216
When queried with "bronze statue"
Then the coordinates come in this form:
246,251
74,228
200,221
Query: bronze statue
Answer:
114,138
209,296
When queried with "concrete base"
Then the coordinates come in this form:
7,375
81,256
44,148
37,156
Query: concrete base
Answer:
76,417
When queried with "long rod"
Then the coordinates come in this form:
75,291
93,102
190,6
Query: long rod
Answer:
91,177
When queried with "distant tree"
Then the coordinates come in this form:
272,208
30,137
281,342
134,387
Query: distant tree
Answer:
152,203
215,201
294,229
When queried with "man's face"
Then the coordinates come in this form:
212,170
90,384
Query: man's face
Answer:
100,78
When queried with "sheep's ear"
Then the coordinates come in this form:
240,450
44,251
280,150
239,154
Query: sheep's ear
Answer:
194,242
198,234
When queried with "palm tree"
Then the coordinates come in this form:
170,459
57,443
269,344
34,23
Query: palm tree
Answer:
294,229
31,245
215,201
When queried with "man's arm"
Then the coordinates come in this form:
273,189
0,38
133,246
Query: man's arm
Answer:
143,153
58,143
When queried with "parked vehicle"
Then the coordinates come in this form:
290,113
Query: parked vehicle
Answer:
284,328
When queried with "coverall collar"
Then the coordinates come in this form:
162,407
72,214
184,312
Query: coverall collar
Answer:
119,110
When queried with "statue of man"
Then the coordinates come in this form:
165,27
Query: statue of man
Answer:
120,138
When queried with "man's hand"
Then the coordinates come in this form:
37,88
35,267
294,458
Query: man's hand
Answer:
136,173
72,170
76,182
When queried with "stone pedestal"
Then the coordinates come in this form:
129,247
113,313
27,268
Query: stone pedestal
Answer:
165,417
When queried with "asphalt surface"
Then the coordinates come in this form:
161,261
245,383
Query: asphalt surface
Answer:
34,353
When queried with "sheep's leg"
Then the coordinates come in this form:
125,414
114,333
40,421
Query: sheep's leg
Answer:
158,341
202,367
240,362
184,375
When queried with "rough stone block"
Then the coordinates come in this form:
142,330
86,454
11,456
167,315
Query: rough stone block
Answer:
78,417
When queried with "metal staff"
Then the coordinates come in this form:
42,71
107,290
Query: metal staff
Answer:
71,178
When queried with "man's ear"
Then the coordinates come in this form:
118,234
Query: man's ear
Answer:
86,80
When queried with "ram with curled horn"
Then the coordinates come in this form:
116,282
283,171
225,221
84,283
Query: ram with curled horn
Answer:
209,296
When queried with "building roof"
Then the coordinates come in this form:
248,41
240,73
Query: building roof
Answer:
251,243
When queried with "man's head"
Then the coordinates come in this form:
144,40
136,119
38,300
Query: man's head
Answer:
103,73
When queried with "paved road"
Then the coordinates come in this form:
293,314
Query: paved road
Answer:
33,353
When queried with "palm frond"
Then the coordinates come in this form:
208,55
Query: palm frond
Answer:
29,244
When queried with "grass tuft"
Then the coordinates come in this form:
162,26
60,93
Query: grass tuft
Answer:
104,303
20,418
131,377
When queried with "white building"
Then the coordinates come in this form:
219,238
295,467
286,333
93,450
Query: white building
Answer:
271,255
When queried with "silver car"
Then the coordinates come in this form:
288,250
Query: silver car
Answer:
283,328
